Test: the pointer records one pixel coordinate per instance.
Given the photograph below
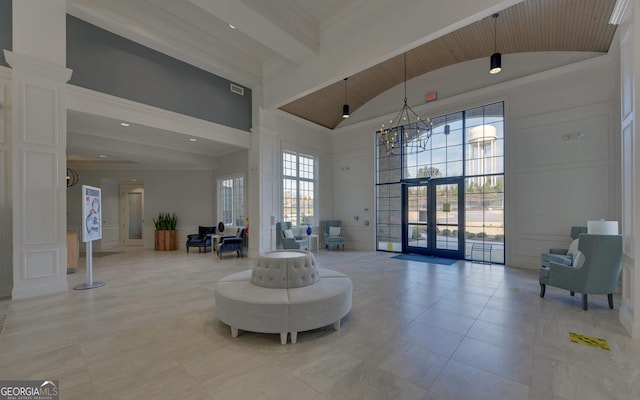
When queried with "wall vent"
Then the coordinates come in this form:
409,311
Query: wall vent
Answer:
237,89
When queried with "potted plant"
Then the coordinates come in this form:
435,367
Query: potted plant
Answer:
166,236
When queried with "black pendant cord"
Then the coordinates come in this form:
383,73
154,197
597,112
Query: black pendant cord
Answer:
345,90
495,32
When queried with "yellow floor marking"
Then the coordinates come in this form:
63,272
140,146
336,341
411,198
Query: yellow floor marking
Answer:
590,341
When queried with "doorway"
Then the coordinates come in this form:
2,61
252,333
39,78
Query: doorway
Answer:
433,217
132,205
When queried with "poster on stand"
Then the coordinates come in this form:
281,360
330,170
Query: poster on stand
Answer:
91,213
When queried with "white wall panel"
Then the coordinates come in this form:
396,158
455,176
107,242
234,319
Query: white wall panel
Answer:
558,143
39,115
5,231
40,197
40,264
110,236
629,75
552,200
6,226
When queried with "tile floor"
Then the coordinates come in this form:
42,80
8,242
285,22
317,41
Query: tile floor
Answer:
416,331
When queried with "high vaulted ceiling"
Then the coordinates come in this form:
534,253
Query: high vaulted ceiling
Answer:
530,26
296,53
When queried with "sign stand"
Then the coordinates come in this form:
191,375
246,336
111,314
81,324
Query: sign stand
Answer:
91,215
90,283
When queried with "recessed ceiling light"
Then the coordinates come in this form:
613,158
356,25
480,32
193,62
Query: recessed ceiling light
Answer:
124,124
193,140
102,156
232,26
133,180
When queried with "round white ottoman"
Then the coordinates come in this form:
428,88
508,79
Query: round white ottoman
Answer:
284,292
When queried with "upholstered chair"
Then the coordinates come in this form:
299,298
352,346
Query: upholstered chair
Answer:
564,256
202,239
286,239
597,274
231,244
332,232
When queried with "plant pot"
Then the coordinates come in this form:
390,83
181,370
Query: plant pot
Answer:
166,240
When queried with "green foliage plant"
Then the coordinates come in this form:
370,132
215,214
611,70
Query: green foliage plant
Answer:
166,222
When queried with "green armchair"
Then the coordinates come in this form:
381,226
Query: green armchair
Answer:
332,231
598,274
285,239
564,256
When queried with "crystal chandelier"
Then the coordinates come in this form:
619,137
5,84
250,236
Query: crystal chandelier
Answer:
407,129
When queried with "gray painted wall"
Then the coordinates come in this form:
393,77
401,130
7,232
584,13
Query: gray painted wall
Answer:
6,34
111,64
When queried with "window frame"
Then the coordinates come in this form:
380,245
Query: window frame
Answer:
301,217
234,202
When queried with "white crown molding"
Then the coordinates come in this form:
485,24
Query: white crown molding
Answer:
619,12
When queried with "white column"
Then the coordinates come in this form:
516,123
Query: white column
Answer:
38,147
6,233
264,167
629,92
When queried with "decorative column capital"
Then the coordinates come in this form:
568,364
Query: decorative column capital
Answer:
36,67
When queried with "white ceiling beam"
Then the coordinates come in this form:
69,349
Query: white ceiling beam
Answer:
283,34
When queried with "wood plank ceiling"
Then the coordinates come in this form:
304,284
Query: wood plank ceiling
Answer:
529,26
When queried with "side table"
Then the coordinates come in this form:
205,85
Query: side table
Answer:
311,238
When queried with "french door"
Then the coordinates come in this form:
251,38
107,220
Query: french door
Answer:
432,217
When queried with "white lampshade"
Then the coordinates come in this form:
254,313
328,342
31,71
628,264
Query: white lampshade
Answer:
602,227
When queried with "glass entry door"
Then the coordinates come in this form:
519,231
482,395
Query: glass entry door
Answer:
432,218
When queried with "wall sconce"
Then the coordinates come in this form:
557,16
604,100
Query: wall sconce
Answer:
72,177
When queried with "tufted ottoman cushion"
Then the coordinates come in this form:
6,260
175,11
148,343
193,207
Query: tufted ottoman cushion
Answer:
285,269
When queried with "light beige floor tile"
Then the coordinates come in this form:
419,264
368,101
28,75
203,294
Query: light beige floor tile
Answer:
370,382
431,338
224,362
268,383
418,366
500,335
415,331
445,320
460,381
510,362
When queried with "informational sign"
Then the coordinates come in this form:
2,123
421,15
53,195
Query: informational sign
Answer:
91,213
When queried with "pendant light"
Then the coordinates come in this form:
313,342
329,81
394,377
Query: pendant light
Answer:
407,130
496,58
345,107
